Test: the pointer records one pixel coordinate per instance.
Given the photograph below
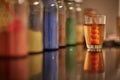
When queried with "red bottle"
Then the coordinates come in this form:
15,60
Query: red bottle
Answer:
13,28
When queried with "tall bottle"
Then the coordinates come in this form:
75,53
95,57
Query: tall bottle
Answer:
35,26
50,24
70,23
79,25
13,27
62,22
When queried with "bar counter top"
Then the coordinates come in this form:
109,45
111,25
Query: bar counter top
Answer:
68,63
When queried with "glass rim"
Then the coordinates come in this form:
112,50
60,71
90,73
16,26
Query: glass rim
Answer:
101,19
102,15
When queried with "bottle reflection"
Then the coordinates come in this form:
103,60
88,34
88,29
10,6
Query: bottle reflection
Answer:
70,62
79,62
94,62
80,53
50,65
35,66
62,64
14,69
94,76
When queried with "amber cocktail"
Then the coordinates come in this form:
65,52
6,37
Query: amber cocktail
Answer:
94,29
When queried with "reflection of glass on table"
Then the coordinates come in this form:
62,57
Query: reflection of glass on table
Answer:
94,62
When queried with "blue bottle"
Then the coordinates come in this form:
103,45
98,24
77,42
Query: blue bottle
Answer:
50,24
50,65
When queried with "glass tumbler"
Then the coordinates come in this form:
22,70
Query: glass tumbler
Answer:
94,30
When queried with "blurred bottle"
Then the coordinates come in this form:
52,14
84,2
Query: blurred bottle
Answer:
14,69
94,62
79,25
62,64
50,65
35,26
62,22
70,23
35,65
50,24
70,62
13,27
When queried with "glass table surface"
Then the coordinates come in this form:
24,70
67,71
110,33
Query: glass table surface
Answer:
69,63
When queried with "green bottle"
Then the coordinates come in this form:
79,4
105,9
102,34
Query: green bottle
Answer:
70,23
